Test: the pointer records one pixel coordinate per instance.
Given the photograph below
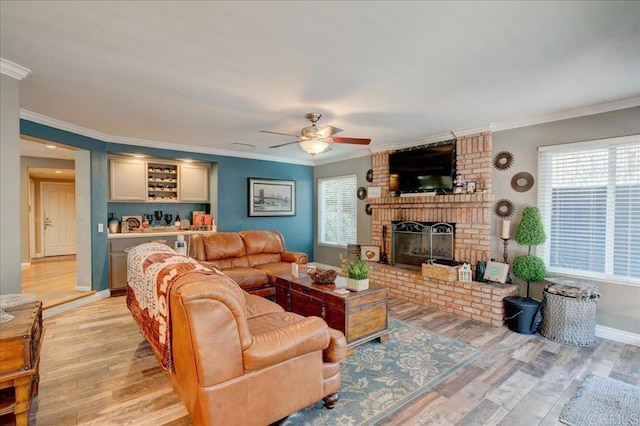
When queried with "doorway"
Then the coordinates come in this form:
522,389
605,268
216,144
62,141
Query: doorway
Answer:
58,201
55,276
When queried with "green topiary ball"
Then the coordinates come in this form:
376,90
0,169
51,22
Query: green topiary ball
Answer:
529,268
530,232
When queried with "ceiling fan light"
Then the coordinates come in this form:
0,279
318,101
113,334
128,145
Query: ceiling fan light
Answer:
314,146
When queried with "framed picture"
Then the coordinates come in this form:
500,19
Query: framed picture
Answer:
471,187
134,222
272,197
496,272
370,253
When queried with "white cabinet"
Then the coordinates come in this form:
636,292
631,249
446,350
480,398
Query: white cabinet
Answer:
127,180
156,181
194,182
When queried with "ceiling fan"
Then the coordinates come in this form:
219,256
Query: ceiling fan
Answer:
314,139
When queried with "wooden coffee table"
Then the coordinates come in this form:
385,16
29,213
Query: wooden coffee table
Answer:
360,315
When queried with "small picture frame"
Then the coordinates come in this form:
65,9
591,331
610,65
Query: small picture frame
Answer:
471,187
134,222
203,219
375,191
496,272
370,253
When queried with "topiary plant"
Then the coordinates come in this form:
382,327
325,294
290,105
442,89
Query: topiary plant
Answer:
530,232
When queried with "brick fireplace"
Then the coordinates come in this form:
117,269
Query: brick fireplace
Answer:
471,214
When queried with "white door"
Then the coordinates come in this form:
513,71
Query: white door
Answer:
59,218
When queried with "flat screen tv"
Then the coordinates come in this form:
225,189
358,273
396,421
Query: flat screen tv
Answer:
425,169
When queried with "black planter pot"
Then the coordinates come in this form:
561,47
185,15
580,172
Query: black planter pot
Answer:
522,314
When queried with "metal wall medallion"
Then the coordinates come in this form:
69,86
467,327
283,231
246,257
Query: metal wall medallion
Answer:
522,182
368,209
362,193
369,175
503,208
503,160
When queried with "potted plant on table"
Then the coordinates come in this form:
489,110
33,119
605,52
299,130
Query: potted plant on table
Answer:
357,275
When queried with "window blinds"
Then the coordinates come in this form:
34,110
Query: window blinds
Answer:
589,198
337,213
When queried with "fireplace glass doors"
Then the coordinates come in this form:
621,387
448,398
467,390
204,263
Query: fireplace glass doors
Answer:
415,243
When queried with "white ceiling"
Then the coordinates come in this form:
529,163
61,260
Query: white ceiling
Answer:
203,75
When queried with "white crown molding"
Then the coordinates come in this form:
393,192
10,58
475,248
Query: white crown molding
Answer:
62,125
13,70
565,115
618,335
466,131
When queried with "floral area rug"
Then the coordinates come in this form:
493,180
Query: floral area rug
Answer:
382,377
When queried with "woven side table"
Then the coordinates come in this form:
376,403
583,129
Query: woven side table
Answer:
569,312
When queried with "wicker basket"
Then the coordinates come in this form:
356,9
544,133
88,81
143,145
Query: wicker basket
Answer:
440,272
323,276
569,320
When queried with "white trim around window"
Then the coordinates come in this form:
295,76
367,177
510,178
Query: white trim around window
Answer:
589,199
337,211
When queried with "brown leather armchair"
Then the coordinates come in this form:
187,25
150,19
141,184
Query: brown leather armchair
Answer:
240,359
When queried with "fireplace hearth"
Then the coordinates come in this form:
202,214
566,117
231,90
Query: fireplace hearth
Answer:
415,243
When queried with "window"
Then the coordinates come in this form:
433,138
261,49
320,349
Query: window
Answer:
589,198
337,210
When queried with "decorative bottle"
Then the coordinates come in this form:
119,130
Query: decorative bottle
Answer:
177,222
113,224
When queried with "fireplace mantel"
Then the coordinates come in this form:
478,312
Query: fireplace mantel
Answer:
485,199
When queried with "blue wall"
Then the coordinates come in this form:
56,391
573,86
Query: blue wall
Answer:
233,173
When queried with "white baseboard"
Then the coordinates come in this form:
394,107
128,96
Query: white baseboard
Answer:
76,303
618,335
25,264
83,288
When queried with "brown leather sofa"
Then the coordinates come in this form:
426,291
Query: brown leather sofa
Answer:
251,258
240,359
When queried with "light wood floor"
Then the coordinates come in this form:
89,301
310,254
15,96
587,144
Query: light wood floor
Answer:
52,280
96,368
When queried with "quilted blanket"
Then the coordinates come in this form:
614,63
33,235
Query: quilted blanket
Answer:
152,268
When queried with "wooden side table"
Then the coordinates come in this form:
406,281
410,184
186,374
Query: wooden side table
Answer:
20,344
